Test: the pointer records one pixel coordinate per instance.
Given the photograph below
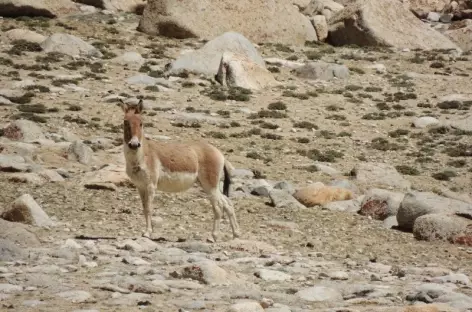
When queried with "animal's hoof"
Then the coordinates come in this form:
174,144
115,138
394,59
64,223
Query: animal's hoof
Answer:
236,235
147,235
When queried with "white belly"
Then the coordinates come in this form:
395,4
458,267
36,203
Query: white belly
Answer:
175,181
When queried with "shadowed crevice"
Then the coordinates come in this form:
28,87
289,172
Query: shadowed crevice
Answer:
10,10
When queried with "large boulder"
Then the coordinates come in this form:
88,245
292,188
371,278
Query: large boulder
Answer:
46,8
379,175
462,37
363,23
207,59
23,34
260,21
26,210
237,70
380,204
320,194
70,45
417,204
438,226
133,6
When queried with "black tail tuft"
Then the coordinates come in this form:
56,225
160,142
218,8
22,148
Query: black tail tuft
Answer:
226,182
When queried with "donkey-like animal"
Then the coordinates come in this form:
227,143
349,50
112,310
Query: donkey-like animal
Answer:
174,167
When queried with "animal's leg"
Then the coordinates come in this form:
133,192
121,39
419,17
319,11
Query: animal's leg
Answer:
147,196
216,216
228,207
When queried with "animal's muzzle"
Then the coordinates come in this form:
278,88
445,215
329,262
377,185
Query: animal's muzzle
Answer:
134,143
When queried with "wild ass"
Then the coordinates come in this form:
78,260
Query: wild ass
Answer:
174,167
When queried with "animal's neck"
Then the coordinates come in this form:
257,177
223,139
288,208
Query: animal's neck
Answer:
135,158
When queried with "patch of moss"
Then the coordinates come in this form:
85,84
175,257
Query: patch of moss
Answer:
32,108
407,170
279,105
444,175
20,46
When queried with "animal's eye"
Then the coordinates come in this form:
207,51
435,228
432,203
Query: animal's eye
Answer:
141,124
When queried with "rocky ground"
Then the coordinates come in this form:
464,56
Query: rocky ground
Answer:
61,143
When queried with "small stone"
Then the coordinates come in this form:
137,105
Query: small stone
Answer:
320,294
271,275
246,307
425,121
10,289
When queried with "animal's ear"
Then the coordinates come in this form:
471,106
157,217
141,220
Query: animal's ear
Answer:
140,107
123,106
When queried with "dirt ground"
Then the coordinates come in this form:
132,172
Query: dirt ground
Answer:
339,108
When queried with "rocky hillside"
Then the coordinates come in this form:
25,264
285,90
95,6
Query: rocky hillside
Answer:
350,138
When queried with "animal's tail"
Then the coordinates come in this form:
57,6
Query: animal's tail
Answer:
226,181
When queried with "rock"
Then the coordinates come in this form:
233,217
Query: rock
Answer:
319,294
207,59
129,58
277,22
13,163
320,194
321,27
260,187
462,37
248,246
318,6
282,199
363,23
237,70
454,278
242,174
45,8
10,251
425,121
440,226
18,234
426,5
70,45
284,186
5,101
422,308
129,300
352,205
416,204
24,130
24,34
390,222
338,275
206,272
141,79
433,17
271,275
327,169
283,63
25,210
322,71
250,306
381,204
80,152
379,68
75,296
112,174
10,289
379,175
132,6
446,18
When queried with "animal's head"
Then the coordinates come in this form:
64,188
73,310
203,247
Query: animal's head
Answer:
133,124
